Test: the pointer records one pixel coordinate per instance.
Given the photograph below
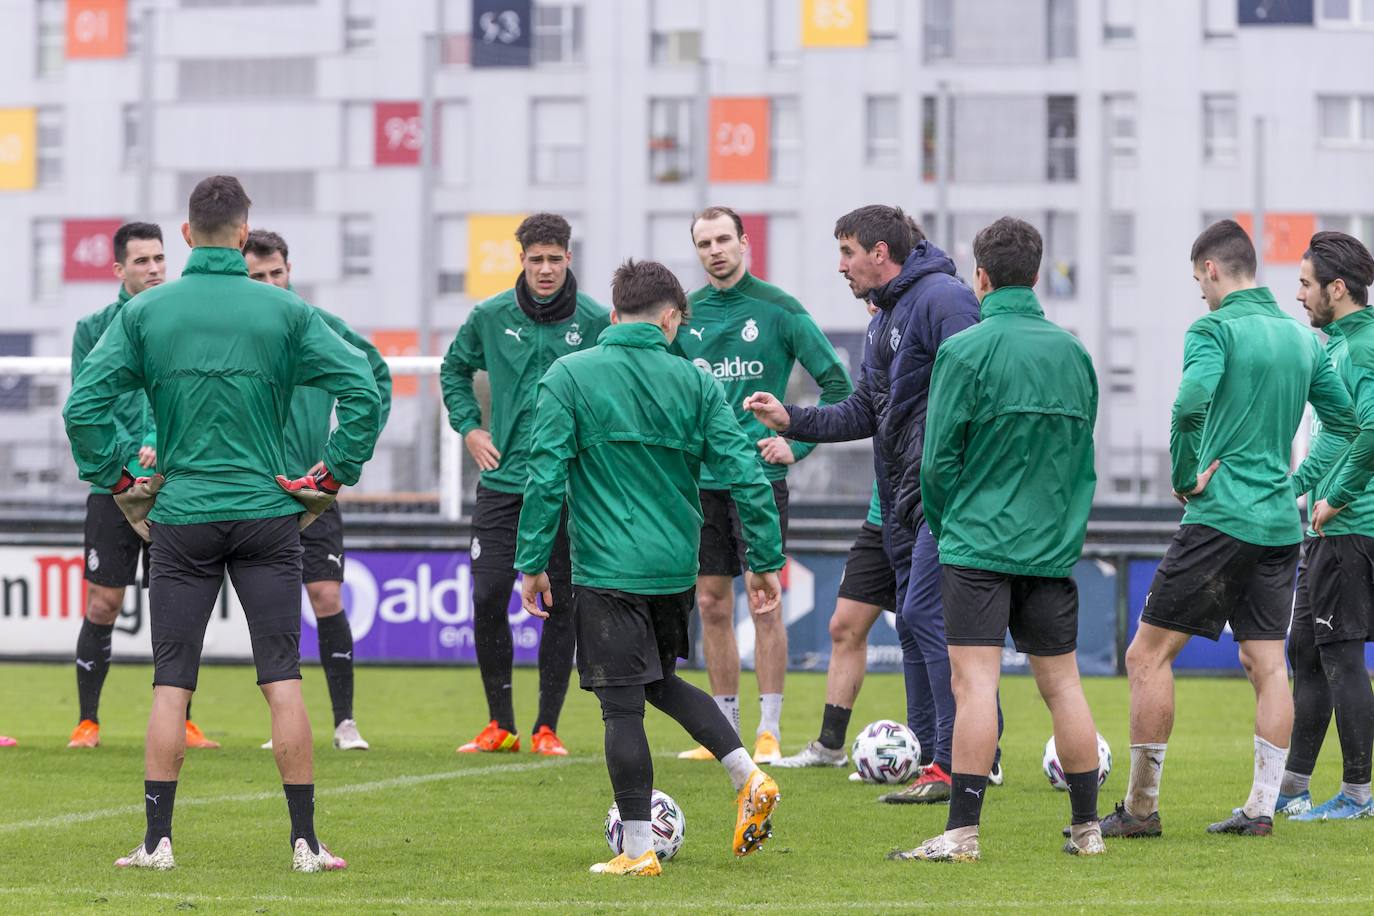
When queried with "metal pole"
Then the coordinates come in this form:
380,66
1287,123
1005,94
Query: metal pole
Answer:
1104,307
1259,200
703,119
941,232
145,113
424,433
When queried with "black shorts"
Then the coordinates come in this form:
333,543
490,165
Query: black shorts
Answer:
495,521
112,548
263,559
868,576
1335,596
981,606
722,551
625,639
1209,579
322,543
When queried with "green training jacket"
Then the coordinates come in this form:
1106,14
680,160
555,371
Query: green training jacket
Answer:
1350,347
132,418
748,337
516,351
624,429
1007,473
219,355
1248,370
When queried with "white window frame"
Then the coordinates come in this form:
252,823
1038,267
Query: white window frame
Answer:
1119,108
683,152
1123,28
879,35
1355,121
360,26
50,38
1216,149
1211,31
784,149
1122,247
356,229
570,33
937,30
1057,146
46,248
542,174
50,146
883,152
1361,16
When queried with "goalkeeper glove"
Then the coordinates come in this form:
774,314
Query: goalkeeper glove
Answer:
315,491
135,499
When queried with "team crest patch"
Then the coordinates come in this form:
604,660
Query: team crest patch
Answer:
573,337
895,339
476,549
92,560
751,331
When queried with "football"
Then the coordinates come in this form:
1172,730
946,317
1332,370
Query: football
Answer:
1054,772
886,752
669,826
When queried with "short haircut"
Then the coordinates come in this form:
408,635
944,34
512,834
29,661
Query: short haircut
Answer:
918,234
544,229
1226,243
716,213
1010,251
147,231
878,223
640,287
218,203
262,243
1337,256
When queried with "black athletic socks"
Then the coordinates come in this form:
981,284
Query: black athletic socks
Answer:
1353,698
92,664
492,640
628,761
336,657
300,802
966,799
693,709
1082,796
158,798
557,646
834,726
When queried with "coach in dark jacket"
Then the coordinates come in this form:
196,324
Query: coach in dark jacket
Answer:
921,302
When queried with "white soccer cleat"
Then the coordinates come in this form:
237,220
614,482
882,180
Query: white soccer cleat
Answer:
267,745
307,862
160,858
346,737
814,754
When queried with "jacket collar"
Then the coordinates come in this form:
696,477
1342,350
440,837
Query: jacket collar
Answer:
1009,300
741,288
1258,298
638,334
123,295
205,260
1350,323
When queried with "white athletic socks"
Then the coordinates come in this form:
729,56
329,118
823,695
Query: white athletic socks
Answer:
1264,791
637,839
770,715
1142,790
729,707
1294,783
739,765
1359,793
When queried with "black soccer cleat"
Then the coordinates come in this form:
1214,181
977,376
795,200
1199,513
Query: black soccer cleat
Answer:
1123,824
1242,824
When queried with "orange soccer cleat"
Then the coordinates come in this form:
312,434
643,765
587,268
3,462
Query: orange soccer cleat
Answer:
196,738
86,734
546,742
492,739
755,803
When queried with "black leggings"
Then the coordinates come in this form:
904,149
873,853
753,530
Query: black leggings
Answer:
627,748
491,595
1327,678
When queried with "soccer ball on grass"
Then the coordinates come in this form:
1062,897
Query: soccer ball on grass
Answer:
886,752
1054,772
666,819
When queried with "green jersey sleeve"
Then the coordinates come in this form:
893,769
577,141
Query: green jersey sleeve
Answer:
329,362
947,419
461,362
111,368
555,444
1203,364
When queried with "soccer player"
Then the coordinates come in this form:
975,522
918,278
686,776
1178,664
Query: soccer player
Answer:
748,334
624,430
1333,613
1248,368
112,547
307,430
515,336
922,303
219,355
1007,484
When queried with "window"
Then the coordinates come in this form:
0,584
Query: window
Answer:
938,34
1121,245
1059,273
884,21
50,40
1063,29
1062,154
930,149
1346,13
271,192
558,33
1121,360
358,135
246,78
1118,20
883,131
784,32
1220,128
670,243
558,129
674,32
1218,19
452,255
47,258
453,143
50,130
1121,127
360,24
1360,226
1346,119
132,144
671,154
785,140
355,237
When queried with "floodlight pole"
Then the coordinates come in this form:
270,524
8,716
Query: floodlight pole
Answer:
146,112
424,434
1258,229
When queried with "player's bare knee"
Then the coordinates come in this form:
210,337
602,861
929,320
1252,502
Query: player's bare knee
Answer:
103,605
715,610
326,598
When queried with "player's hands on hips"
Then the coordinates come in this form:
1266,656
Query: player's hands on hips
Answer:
1322,513
482,451
776,450
135,499
534,587
315,491
765,592
147,456
768,410
1202,480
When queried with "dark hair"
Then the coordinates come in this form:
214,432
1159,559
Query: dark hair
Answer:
1337,256
917,233
544,229
1009,250
218,203
1226,243
263,243
148,231
639,287
715,213
878,223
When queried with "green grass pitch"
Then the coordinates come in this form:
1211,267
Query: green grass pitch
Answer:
425,829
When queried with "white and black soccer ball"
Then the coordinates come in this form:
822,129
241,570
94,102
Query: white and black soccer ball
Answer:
1054,772
666,819
886,752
